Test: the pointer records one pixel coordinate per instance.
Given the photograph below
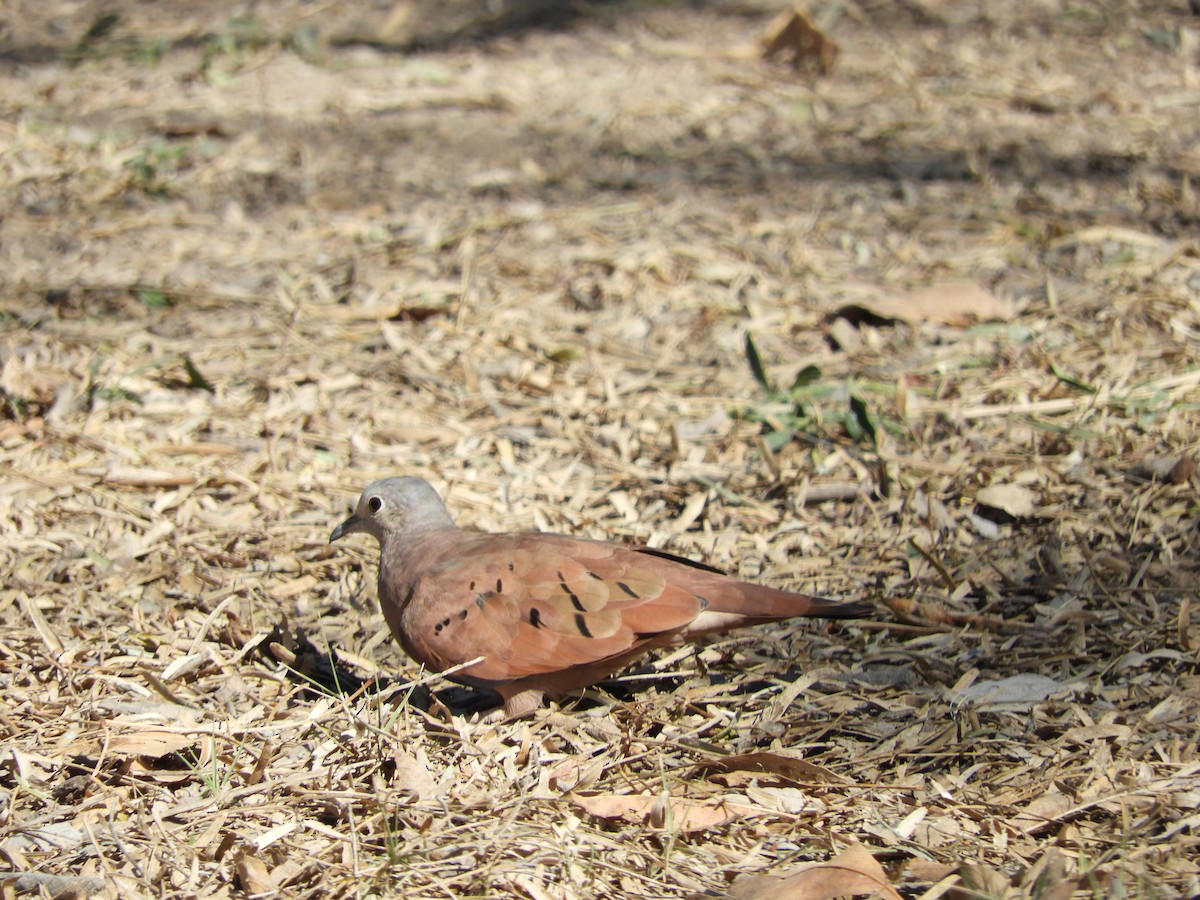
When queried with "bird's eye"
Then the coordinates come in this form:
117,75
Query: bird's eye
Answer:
374,504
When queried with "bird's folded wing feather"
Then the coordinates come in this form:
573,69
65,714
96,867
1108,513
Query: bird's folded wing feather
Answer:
532,608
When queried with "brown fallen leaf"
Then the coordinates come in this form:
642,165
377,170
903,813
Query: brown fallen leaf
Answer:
152,743
787,764
254,876
978,880
196,448
44,884
291,588
1163,468
949,303
792,34
133,476
33,383
853,873
1086,734
1013,500
1041,813
1022,691
919,869
1183,470
1047,878
412,774
681,814
162,756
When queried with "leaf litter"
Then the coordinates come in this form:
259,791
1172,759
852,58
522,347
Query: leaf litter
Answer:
531,271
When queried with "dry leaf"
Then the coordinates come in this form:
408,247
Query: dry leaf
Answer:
1170,708
792,34
788,800
788,764
412,774
979,881
197,448
61,887
135,476
1047,878
184,665
291,588
681,815
854,873
1163,468
1015,692
272,835
254,875
1041,813
52,837
950,303
576,774
928,869
1014,499
35,383
1085,734
153,743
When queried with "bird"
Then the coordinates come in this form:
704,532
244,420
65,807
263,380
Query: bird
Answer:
543,614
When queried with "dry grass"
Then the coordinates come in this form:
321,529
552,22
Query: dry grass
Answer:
237,285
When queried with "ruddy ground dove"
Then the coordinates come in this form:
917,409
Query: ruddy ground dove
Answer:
548,613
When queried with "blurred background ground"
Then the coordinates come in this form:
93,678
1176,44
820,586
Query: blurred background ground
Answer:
253,256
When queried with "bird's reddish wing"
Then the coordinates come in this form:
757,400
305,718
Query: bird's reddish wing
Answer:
538,604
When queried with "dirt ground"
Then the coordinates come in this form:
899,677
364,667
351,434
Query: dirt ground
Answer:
244,270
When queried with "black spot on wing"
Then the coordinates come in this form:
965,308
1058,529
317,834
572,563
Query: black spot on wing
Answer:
627,589
535,618
581,624
575,601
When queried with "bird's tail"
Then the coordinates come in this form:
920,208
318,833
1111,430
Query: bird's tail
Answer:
757,601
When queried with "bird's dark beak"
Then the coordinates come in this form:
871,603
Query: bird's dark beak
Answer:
350,525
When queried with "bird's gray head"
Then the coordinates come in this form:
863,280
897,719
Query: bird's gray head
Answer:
395,505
